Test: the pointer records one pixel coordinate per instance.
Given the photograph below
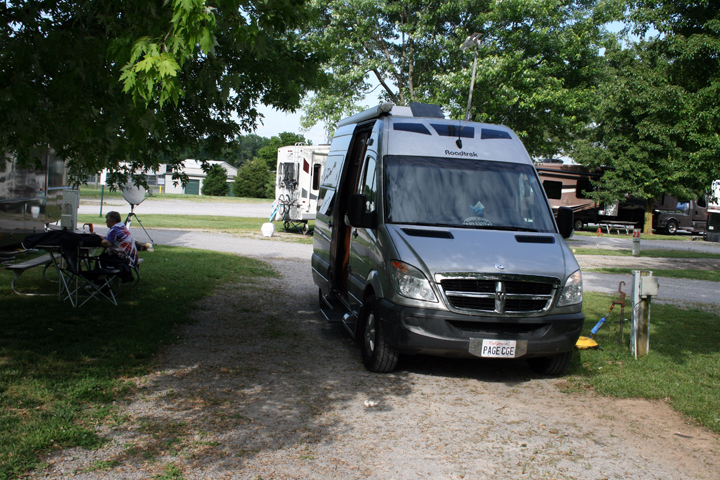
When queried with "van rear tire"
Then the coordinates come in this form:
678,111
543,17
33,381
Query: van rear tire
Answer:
376,354
556,365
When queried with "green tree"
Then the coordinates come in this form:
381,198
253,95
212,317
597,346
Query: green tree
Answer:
215,183
104,82
268,153
246,147
538,61
657,126
252,180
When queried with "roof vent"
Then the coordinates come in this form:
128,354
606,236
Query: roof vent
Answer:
426,110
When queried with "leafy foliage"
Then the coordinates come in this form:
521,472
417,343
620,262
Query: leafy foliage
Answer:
103,82
254,180
658,118
537,61
215,183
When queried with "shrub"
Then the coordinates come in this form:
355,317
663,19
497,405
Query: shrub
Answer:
215,183
252,181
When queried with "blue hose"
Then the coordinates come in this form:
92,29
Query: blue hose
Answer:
597,327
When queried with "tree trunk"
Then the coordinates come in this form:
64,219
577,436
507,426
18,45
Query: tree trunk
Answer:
649,203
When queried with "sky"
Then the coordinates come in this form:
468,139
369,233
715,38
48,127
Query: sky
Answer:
276,122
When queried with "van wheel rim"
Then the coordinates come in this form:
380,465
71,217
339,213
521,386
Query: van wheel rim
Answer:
370,333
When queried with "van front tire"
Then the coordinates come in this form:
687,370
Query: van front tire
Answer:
376,354
556,365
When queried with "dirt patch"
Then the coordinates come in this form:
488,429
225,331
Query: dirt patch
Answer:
263,388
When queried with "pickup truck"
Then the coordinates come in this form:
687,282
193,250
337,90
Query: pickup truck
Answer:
671,215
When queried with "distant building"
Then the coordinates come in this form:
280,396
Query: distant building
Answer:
196,175
161,179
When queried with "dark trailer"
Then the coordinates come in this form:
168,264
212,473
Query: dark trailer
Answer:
569,185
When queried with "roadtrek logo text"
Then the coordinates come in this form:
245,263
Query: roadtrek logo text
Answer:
461,154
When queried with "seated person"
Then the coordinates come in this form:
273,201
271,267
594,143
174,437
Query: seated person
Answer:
121,251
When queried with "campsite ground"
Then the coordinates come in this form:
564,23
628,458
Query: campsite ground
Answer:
261,387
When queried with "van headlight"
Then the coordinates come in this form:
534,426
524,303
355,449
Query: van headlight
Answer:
572,291
410,282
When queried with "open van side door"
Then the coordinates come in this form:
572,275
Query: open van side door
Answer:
364,253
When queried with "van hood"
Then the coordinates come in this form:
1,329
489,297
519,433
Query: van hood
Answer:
483,251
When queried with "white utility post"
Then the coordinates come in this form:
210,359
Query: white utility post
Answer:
645,286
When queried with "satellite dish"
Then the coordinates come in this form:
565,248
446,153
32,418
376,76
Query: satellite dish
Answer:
133,194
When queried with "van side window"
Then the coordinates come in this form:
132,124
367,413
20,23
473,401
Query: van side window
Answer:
369,185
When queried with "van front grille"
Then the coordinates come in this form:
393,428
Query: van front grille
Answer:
500,295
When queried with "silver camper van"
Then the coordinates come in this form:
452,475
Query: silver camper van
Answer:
435,236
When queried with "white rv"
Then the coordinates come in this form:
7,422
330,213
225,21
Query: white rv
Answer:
297,182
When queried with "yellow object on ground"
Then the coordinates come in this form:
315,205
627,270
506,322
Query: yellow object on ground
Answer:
585,343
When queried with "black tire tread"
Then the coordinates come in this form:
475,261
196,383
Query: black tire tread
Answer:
384,359
556,365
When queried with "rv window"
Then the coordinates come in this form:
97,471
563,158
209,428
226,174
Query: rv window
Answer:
411,127
553,189
488,134
287,175
316,176
584,187
446,130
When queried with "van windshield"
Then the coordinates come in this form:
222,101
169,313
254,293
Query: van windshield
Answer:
465,193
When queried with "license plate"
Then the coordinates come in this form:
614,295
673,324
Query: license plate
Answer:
498,348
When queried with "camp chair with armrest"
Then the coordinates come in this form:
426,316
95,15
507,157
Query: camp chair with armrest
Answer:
85,278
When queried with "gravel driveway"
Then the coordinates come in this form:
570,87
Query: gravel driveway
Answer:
263,388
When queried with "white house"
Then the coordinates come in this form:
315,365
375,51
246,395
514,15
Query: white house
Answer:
161,179
196,175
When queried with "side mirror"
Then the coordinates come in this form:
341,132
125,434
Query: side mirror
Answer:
565,219
357,215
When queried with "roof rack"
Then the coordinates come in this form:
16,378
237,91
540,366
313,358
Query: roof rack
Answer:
414,110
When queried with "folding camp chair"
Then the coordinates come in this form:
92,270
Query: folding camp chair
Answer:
83,278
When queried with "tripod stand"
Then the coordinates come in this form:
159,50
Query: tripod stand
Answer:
128,220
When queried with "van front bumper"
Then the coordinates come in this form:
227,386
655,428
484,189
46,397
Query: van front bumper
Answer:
442,333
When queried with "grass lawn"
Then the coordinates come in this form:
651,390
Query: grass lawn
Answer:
709,275
645,253
682,367
240,225
61,368
96,193
645,236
